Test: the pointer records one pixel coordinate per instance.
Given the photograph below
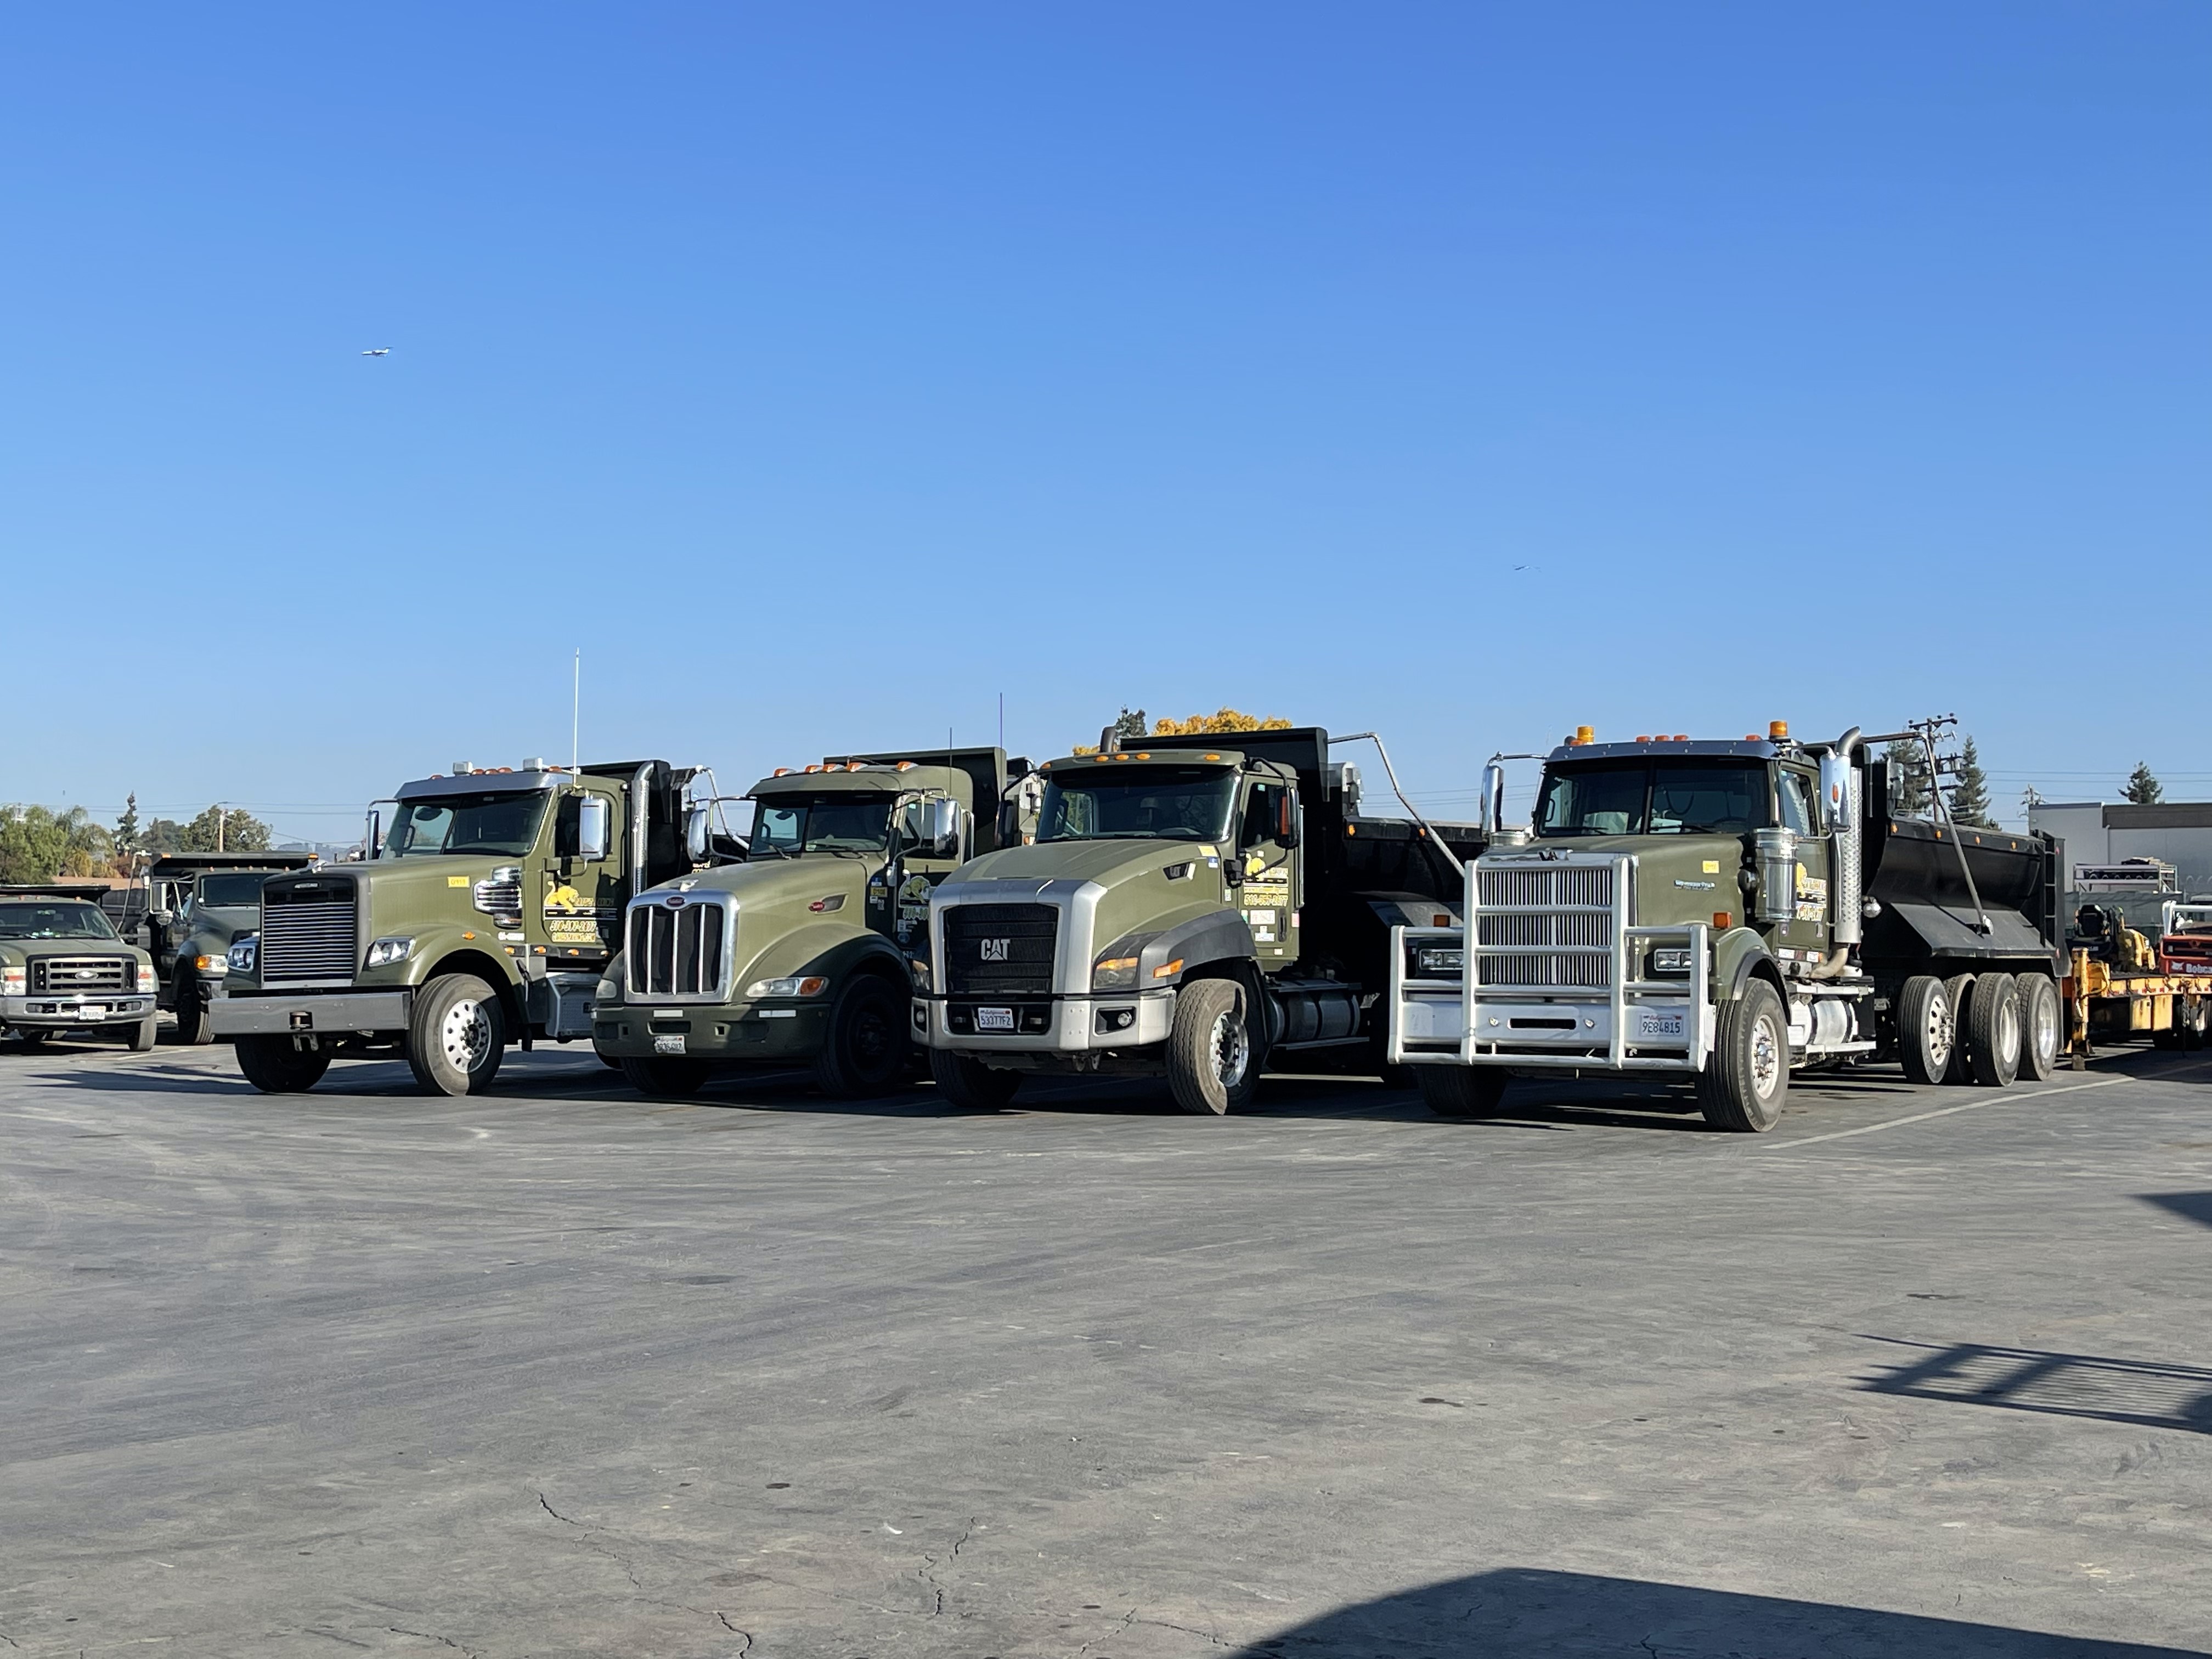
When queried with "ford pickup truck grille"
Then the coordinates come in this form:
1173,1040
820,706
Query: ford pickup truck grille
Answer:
309,932
68,974
677,947
996,950
1545,926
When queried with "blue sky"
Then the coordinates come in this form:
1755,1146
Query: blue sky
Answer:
824,373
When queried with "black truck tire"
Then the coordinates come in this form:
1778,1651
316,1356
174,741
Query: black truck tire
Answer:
1993,1031
1927,1029
1461,1091
864,1052
2041,1034
1960,988
194,1025
1744,1084
457,1036
672,1078
1213,1055
144,1034
2192,1016
969,1084
273,1066
30,1037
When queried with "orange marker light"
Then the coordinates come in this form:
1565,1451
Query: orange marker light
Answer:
1720,918
1779,731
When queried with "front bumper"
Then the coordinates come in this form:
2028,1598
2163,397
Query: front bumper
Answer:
794,1031
274,1014
66,1013
1047,1024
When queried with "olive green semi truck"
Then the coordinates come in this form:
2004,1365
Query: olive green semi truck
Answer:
484,913
803,954
1728,912
1188,911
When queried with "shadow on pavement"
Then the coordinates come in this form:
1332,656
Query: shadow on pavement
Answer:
2141,1392
2190,1206
1521,1611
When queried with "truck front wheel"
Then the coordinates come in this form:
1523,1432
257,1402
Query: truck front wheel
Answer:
457,1036
193,1025
1993,1031
970,1084
273,1066
1460,1091
1746,1081
1214,1061
1927,1029
864,1052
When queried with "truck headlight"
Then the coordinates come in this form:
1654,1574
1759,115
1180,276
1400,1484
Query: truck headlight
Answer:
11,981
810,985
146,980
386,951
1114,974
1671,960
607,990
1440,960
244,955
216,966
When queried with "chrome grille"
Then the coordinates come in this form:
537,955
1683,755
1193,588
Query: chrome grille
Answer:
69,974
1544,926
309,932
999,950
679,945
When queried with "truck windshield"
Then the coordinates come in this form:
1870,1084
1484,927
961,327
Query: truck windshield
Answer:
1150,803
1646,798
64,921
502,824
239,891
839,825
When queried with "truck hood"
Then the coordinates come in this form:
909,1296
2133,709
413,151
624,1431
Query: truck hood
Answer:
1109,863
1679,878
817,875
16,952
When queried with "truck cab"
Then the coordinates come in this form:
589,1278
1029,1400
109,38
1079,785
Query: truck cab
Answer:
802,952
64,968
197,905
486,910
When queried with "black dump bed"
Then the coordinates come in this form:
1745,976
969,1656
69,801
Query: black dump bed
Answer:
1912,868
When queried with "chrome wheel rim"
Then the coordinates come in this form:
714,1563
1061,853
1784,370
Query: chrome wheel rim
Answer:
2043,1029
1940,1033
1231,1052
1765,1058
465,1035
2009,1032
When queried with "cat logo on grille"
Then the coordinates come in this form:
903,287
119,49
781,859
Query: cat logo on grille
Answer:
997,950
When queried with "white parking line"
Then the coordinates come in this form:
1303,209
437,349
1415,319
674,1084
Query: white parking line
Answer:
2004,1097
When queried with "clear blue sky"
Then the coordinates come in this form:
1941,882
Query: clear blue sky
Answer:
824,373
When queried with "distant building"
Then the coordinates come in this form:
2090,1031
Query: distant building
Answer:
2176,833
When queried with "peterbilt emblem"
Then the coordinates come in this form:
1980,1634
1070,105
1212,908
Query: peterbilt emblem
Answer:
996,950
676,901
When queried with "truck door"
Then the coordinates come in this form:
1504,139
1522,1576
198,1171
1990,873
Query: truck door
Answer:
1267,858
1794,792
581,903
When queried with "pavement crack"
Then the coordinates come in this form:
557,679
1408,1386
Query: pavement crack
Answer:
432,1635
1187,1630
1127,1619
554,1513
960,1542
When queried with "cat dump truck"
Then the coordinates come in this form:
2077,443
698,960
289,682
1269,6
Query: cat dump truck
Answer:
1188,910
488,906
1729,912
800,954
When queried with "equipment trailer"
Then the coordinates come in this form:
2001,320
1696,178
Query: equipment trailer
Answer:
1729,912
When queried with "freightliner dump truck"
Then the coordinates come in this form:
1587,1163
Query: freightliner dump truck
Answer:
1187,909
489,907
800,955
1731,912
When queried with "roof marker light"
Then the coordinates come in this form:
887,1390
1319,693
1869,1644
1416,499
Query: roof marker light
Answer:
1584,734
1777,731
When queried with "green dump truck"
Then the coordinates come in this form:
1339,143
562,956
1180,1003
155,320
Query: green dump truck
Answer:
198,905
489,904
64,968
802,954
1188,910
1727,913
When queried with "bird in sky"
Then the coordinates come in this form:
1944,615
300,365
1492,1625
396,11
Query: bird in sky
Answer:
377,351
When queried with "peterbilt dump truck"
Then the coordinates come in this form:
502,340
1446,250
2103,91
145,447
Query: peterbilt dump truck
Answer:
64,968
1187,909
1729,912
197,905
489,907
801,955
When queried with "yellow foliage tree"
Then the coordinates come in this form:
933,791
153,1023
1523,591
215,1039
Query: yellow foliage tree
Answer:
1130,728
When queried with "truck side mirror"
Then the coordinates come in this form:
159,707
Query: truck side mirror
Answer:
1494,797
698,841
1009,832
1286,819
592,827
942,820
376,840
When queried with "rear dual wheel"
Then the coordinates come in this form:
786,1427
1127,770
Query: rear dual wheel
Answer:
1927,1029
1993,1031
2041,1034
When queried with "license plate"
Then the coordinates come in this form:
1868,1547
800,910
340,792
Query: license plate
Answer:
1661,1025
995,1020
92,1010
669,1045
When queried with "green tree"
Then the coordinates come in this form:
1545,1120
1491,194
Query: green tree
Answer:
38,844
223,829
2142,787
1908,779
1969,795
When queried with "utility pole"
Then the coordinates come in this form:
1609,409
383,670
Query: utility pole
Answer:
576,713
220,815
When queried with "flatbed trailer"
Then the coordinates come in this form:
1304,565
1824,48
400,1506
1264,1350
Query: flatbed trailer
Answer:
2102,1000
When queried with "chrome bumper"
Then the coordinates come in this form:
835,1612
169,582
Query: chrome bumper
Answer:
63,1012
1070,1024
262,1013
